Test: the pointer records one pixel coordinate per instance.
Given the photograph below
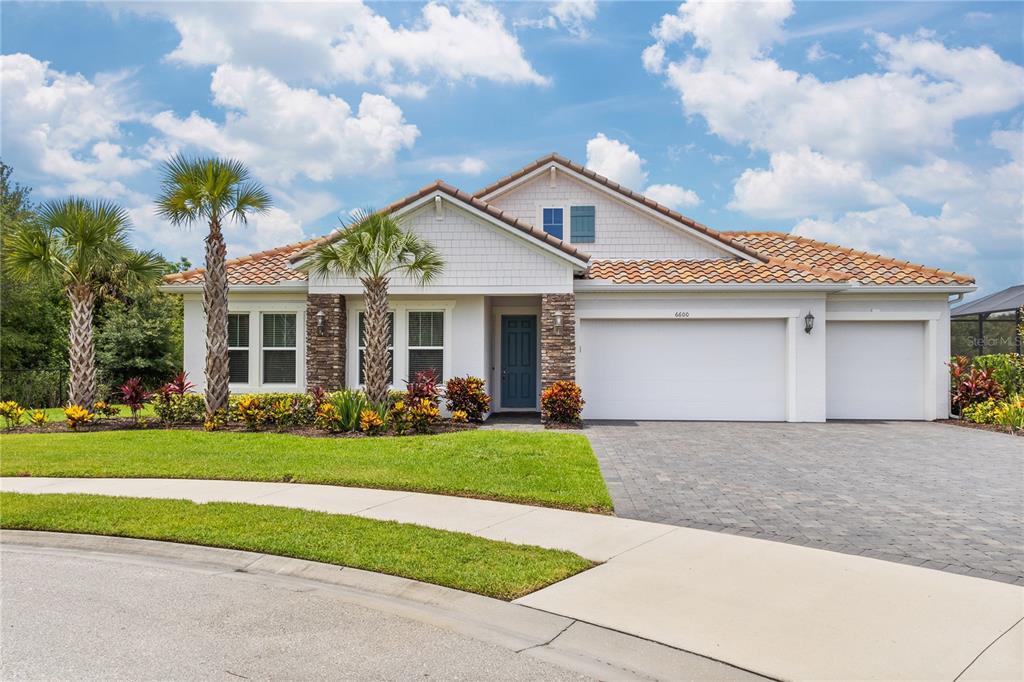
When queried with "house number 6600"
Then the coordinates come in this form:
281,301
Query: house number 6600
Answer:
682,313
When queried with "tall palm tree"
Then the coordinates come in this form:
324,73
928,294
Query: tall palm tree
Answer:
83,246
374,247
213,191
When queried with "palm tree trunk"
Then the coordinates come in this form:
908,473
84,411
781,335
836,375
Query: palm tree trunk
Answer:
82,354
376,361
215,304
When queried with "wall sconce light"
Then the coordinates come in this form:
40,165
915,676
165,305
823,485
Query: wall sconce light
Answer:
558,320
808,322
321,322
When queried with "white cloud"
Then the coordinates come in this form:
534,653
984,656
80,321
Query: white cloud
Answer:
848,154
816,53
332,42
616,161
574,15
283,132
260,232
672,196
466,165
66,127
806,183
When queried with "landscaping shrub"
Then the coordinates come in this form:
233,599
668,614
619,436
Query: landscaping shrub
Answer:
39,419
400,418
342,411
467,395
105,410
1006,368
971,385
370,422
292,409
460,417
249,411
423,414
423,387
216,421
1008,412
12,413
134,395
187,408
77,416
562,402
983,412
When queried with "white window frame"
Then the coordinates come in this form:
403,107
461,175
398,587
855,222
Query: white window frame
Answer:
263,349
540,221
400,365
255,309
245,348
409,348
391,347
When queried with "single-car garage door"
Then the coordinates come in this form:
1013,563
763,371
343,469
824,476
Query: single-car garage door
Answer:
684,369
875,370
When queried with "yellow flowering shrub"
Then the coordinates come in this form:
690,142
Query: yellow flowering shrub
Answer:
12,413
39,419
370,422
77,416
423,415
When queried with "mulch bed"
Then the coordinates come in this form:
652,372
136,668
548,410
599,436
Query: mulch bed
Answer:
127,424
997,428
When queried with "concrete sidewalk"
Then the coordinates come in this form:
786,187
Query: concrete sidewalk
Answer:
780,610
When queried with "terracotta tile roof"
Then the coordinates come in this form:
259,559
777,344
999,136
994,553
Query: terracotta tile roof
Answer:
708,271
866,268
480,205
265,267
624,191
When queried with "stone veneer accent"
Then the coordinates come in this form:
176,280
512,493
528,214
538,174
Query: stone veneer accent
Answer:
325,355
557,346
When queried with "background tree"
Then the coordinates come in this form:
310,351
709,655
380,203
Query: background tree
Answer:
212,191
82,245
374,248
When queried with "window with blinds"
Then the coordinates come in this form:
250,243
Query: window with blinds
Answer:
238,348
426,343
391,347
279,350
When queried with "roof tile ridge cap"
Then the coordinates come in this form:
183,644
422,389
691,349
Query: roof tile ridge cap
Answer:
877,256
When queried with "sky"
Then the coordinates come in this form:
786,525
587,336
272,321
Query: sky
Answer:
890,127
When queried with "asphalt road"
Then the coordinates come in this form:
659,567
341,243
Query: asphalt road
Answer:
91,618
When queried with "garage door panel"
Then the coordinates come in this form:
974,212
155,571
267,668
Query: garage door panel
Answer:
684,369
875,370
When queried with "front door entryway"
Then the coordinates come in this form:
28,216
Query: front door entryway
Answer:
518,361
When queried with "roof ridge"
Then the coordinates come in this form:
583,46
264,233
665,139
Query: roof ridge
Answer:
178,276
625,191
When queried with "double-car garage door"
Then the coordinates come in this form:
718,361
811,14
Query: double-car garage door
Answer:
736,369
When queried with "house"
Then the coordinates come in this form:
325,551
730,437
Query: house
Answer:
554,272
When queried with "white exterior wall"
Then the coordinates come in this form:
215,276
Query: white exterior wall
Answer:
804,356
255,304
932,309
479,258
620,230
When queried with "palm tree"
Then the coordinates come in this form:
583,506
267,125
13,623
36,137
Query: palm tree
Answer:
83,246
373,248
211,190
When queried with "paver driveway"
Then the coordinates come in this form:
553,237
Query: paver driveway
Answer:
934,495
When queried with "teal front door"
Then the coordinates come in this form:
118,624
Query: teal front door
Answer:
519,361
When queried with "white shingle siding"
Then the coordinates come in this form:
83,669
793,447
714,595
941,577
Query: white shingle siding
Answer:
621,231
479,258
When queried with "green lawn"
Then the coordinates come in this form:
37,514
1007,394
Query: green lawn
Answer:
496,569
548,469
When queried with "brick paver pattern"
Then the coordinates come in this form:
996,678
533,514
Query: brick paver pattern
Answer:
928,494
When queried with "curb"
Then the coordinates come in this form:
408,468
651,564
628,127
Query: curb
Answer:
578,646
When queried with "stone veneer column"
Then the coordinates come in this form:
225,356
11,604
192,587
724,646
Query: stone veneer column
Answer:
557,345
325,355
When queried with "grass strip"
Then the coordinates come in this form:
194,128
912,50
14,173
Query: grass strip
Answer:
547,469
464,562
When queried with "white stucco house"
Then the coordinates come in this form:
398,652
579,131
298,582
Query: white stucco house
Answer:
555,272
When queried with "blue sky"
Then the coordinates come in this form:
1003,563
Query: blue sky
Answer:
894,127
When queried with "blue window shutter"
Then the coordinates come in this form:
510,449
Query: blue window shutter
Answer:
553,222
581,224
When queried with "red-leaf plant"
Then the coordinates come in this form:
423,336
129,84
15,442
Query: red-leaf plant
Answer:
178,385
134,395
969,385
423,387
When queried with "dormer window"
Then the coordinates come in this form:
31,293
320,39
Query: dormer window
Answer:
553,222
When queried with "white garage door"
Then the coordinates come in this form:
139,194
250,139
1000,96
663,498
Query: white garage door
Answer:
875,370
684,369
